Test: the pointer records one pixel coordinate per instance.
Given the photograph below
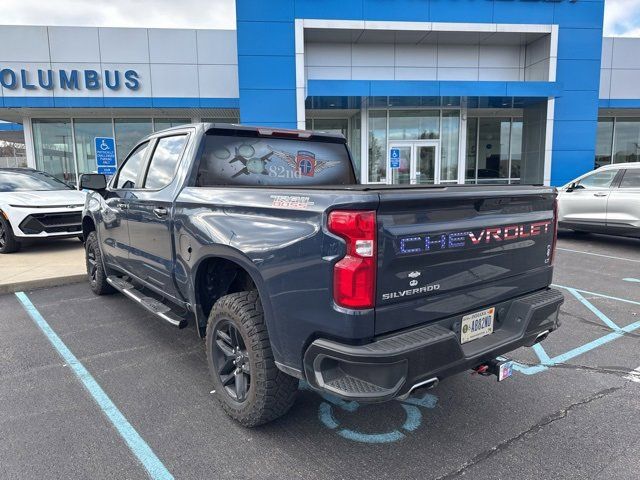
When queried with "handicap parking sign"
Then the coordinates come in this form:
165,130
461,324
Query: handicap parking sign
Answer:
106,155
394,155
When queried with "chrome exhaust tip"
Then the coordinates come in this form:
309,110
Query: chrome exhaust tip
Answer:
542,336
426,384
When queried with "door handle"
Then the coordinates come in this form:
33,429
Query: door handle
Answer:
160,212
600,194
122,206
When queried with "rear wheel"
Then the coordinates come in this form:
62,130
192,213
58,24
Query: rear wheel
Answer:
8,242
248,385
95,269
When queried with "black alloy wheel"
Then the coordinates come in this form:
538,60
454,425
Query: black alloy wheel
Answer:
231,359
95,270
8,242
92,264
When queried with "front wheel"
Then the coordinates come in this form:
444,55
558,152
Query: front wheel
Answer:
8,242
248,385
95,269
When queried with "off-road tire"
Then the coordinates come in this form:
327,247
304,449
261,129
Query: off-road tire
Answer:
271,392
9,244
97,277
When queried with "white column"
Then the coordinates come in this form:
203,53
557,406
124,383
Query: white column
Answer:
548,141
28,142
301,84
462,142
364,140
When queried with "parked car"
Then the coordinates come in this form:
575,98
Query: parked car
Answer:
606,200
291,270
34,204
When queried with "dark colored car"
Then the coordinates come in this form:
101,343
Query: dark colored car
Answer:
291,270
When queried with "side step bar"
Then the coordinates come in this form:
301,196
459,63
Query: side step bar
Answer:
151,304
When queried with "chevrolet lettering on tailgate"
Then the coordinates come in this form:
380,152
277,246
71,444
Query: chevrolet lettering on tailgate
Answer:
427,243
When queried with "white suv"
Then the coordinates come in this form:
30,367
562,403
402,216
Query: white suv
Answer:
606,200
34,204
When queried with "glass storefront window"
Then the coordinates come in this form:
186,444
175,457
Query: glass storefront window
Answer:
627,140
53,146
162,123
341,125
86,130
494,150
130,131
604,142
331,125
13,153
377,146
414,124
221,120
449,146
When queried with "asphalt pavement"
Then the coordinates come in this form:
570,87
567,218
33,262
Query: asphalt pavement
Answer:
571,410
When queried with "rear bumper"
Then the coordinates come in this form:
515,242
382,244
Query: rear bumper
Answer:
390,366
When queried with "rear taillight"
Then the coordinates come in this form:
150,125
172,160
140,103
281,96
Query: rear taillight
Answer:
555,230
354,277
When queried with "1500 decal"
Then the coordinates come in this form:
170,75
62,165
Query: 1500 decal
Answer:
427,243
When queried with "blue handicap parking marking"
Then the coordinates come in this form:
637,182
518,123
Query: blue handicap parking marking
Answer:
106,160
394,156
617,332
411,407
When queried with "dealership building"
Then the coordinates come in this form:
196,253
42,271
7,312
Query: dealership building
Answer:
456,91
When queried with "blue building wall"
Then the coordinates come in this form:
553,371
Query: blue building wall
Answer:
266,58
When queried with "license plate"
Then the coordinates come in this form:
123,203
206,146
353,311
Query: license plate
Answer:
477,325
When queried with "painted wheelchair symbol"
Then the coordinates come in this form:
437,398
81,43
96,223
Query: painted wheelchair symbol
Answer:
411,407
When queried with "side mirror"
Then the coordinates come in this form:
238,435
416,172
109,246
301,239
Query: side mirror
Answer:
93,181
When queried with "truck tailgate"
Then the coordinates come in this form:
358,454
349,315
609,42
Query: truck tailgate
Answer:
450,250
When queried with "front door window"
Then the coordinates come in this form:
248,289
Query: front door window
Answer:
414,162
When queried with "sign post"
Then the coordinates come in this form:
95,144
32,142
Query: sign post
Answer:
106,160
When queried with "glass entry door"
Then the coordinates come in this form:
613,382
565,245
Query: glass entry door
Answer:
414,162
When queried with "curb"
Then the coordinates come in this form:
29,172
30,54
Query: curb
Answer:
42,283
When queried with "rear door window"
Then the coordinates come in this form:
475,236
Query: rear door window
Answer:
164,161
631,178
252,160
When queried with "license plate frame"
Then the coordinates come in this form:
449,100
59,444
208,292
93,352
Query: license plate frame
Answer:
475,325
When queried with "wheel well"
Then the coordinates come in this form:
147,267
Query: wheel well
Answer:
87,226
217,277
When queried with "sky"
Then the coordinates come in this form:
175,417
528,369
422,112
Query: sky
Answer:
622,17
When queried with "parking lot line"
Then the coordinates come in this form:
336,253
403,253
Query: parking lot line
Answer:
618,332
152,464
634,376
598,255
606,320
597,294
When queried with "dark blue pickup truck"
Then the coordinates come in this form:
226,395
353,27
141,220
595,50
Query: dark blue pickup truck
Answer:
291,269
